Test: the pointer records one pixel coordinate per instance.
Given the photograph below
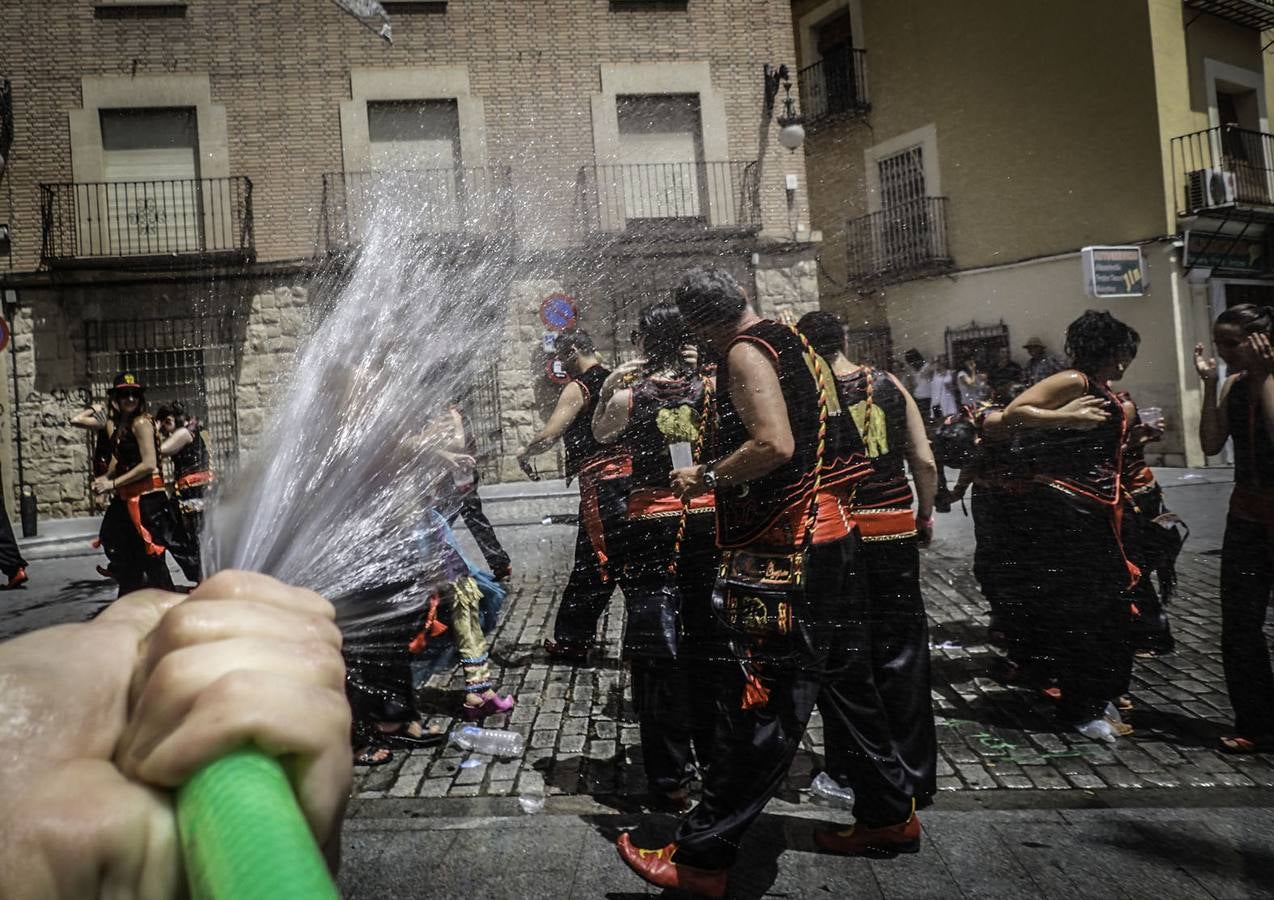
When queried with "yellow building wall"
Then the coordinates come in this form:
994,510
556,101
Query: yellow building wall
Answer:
1040,298
1046,124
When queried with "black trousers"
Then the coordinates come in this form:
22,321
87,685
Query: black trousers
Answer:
590,586
1000,521
10,558
1081,613
1247,580
131,565
755,746
896,641
1150,628
678,663
483,532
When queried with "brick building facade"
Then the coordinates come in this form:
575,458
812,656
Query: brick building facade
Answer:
181,171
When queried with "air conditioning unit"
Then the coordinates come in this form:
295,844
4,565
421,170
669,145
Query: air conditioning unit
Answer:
1209,188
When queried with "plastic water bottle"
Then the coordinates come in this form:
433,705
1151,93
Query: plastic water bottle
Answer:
491,741
824,787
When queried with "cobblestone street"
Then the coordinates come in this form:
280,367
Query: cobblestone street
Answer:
581,738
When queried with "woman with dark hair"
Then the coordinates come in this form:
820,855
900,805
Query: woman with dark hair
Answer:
1244,412
183,442
658,407
139,523
890,656
1074,557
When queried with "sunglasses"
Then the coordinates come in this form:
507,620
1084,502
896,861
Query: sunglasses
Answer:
128,395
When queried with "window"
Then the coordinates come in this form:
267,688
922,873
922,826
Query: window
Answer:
661,152
151,197
414,152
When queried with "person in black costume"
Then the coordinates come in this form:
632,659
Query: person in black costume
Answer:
1075,558
897,634
193,476
649,406
772,393
603,474
1244,412
140,524
11,562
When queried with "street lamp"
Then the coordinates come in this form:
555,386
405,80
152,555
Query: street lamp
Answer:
791,123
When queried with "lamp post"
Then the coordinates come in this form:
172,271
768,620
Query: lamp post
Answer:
791,123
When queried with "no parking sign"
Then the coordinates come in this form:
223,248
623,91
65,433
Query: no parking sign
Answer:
558,312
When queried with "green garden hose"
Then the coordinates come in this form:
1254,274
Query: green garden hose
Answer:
243,836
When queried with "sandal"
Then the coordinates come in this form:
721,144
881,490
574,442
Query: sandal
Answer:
402,739
371,756
1235,745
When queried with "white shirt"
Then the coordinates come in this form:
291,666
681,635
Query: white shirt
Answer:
942,392
921,380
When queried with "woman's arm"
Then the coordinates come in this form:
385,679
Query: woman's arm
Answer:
1262,374
1058,401
924,471
569,405
1214,426
611,417
175,442
93,418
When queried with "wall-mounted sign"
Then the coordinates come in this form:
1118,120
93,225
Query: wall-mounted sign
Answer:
556,371
1114,272
1231,252
558,312
5,333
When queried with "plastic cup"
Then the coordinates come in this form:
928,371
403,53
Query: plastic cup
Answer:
1150,415
682,457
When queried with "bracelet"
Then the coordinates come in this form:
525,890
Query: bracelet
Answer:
924,523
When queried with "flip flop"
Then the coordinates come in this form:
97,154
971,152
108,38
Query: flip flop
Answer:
405,741
368,756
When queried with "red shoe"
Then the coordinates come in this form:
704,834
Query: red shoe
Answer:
858,840
17,579
656,867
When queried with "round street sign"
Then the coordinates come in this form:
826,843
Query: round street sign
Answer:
558,312
5,334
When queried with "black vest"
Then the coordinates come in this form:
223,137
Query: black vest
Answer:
884,437
664,412
746,511
581,447
1253,454
1085,462
193,457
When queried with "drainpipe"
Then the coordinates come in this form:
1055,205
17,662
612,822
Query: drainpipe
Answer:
26,500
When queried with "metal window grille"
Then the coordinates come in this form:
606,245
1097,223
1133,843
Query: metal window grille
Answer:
482,408
871,346
979,341
189,360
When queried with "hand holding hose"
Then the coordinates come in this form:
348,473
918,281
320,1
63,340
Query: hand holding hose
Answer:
122,709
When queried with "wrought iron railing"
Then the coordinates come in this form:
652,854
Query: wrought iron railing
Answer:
904,241
1255,14
445,200
188,217
1225,166
695,195
835,85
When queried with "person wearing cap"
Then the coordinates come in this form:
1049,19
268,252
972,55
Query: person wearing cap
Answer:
1041,364
140,525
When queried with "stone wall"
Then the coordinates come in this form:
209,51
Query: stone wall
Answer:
277,320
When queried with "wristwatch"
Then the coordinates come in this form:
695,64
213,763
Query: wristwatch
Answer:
709,479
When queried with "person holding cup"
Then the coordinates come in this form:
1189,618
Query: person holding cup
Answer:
658,407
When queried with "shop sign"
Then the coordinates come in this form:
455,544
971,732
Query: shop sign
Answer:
1230,252
1114,272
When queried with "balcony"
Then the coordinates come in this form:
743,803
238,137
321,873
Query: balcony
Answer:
451,201
1255,14
899,243
679,199
139,224
1225,172
834,86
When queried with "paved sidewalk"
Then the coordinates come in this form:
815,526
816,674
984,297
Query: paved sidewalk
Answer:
581,738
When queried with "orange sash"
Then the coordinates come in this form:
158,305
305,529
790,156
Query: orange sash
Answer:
131,494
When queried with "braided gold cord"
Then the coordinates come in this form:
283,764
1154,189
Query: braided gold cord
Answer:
821,381
696,453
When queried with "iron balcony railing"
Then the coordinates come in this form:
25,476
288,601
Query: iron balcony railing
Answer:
681,195
183,220
904,241
1223,167
444,200
1254,14
835,85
